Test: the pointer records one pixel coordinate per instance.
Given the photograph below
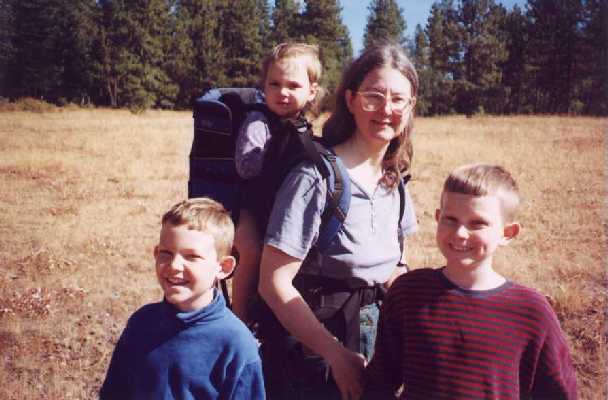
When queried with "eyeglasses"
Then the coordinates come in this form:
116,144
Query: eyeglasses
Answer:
373,101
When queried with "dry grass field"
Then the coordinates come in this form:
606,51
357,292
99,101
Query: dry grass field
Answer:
82,192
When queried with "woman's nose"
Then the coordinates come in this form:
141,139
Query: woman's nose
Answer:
387,106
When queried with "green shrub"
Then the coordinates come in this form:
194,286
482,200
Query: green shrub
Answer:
28,104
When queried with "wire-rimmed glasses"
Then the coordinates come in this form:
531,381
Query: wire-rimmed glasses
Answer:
373,101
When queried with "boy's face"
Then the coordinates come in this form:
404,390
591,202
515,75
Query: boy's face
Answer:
187,266
288,88
470,229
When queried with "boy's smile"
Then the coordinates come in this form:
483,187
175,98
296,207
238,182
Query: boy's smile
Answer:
187,266
470,229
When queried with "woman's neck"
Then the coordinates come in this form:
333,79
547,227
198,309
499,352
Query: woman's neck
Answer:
363,162
357,153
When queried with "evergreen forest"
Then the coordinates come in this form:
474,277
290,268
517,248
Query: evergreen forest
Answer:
472,56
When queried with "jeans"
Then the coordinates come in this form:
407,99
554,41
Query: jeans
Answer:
368,328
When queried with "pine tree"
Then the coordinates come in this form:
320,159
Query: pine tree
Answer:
265,23
133,41
180,56
515,69
483,49
555,37
198,54
322,25
385,22
242,35
151,85
594,58
35,69
48,49
79,30
285,21
116,60
423,67
7,49
444,56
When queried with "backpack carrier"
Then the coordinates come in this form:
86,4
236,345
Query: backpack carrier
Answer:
218,115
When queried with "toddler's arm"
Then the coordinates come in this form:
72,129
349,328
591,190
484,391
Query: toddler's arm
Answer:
251,145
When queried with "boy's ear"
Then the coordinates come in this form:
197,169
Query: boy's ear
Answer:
510,232
314,90
227,265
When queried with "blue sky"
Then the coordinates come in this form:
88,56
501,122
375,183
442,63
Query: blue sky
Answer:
354,16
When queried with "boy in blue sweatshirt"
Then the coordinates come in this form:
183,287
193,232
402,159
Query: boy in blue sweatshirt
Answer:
189,346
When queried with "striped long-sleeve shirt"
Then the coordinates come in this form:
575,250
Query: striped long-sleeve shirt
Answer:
443,342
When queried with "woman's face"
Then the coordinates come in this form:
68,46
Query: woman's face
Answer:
381,106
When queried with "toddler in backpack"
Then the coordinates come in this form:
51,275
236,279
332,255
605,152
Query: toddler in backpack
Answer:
290,76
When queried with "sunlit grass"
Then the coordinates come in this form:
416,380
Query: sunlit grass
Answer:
82,192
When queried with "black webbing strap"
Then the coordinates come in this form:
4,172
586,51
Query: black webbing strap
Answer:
224,287
335,195
303,131
401,188
315,151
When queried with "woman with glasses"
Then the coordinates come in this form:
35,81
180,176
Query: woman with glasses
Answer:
312,294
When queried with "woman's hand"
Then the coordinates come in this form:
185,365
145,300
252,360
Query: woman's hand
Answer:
397,272
276,275
347,369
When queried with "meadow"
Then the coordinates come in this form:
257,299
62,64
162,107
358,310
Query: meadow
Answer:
82,192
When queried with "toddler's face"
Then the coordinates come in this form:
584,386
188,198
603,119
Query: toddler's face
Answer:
186,266
470,229
288,88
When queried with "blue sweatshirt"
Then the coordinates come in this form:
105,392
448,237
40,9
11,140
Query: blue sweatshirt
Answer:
167,354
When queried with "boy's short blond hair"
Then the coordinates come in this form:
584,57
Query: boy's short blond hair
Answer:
205,215
486,180
308,52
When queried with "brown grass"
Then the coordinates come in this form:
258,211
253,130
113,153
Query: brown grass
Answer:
82,192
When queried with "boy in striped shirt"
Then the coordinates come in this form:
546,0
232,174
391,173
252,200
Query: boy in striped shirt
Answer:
464,331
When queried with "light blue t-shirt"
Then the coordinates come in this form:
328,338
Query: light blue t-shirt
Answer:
368,245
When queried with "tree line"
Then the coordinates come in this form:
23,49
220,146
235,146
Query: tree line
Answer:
473,56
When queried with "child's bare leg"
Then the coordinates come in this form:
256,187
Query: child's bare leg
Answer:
249,245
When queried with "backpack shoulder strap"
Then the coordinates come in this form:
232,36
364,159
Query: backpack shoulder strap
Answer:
225,293
338,200
401,187
336,177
